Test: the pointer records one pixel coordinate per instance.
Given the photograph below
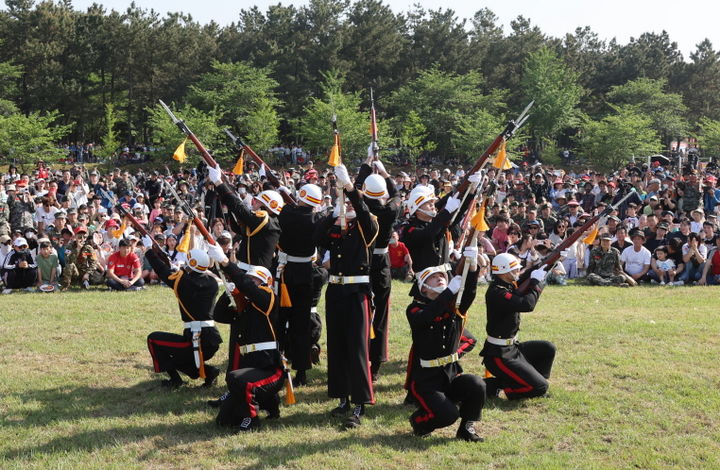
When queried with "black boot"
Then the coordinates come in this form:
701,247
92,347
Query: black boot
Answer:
467,432
419,429
300,379
174,381
353,420
249,425
315,354
272,407
375,372
216,403
492,387
342,409
211,374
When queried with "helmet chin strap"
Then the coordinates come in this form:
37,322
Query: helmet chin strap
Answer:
438,290
428,213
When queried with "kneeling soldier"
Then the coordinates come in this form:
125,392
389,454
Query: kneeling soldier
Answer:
437,382
260,376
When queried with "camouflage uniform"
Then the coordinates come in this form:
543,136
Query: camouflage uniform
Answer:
80,262
605,268
4,214
21,213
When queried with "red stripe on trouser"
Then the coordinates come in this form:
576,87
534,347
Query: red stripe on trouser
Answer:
368,314
249,388
526,388
387,328
170,344
236,358
430,415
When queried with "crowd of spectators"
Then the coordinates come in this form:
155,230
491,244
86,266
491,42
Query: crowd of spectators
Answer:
59,228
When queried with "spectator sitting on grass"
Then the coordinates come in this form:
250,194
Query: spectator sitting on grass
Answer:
124,268
621,240
636,258
663,267
694,255
711,271
20,270
658,239
47,266
557,274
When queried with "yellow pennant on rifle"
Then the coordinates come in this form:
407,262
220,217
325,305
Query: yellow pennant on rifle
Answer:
478,220
501,159
179,154
184,245
590,239
120,231
239,166
334,159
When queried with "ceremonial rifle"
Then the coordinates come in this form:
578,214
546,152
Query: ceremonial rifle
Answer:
553,257
195,220
238,142
137,226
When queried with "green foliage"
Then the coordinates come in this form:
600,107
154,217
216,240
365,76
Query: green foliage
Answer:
30,138
353,125
412,134
9,74
166,136
451,107
110,141
709,136
648,97
554,88
609,143
245,97
474,133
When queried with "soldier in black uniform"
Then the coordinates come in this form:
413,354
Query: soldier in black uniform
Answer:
437,381
347,301
297,272
385,203
195,291
260,374
520,369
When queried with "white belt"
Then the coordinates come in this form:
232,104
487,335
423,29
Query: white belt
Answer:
244,266
348,279
301,259
440,361
313,309
380,251
248,348
199,325
501,341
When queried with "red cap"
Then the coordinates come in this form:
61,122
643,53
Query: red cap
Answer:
80,229
611,184
111,223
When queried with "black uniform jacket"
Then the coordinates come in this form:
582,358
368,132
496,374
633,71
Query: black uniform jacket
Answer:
195,292
260,230
256,323
437,329
504,305
350,253
298,226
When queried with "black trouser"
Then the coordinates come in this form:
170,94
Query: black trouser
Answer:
171,351
114,285
248,387
21,278
348,336
381,284
438,397
233,348
299,335
522,370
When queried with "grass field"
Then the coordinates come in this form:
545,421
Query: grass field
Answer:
635,385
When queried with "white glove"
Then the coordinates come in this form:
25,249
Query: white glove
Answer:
471,255
343,177
452,204
146,241
215,252
326,258
455,284
214,174
282,258
230,286
475,178
380,167
539,274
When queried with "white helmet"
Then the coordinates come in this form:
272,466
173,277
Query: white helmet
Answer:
375,187
198,260
262,273
272,200
425,274
419,196
311,194
504,263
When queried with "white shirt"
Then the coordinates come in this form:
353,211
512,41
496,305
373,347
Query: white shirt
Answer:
702,248
46,217
635,261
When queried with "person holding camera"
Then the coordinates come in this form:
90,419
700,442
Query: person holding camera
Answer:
19,268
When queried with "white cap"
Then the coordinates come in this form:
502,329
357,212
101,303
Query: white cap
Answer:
20,241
